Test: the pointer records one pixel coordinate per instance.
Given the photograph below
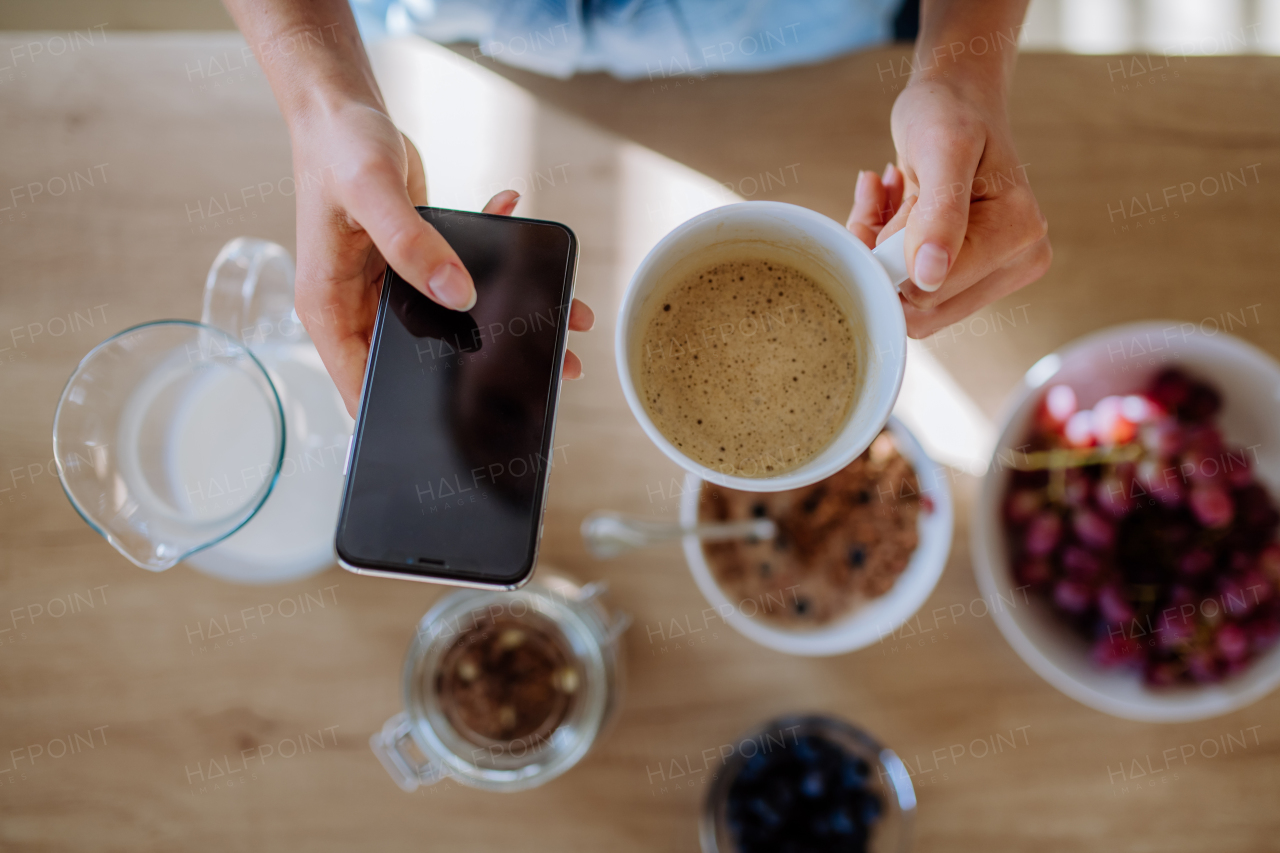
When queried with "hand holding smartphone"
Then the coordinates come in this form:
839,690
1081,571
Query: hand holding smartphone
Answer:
454,440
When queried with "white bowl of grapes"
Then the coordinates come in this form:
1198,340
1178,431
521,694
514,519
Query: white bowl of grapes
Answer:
1133,502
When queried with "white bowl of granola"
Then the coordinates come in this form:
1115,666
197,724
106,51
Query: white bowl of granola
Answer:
794,594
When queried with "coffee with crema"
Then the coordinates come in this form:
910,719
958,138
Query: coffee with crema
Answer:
748,365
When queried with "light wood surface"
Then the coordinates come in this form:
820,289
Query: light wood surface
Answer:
127,675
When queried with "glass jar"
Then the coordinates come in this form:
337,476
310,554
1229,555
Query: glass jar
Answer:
886,778
571,632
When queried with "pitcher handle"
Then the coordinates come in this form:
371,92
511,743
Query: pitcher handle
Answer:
249,293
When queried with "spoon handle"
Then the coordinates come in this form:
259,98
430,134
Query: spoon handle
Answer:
608,534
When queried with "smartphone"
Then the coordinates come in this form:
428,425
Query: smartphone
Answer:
446,475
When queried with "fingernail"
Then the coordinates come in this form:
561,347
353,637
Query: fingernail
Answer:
450,287
862,181
890,172
931,267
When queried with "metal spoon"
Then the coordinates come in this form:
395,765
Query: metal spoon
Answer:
608,534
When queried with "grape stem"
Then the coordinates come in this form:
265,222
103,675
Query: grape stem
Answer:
1061,458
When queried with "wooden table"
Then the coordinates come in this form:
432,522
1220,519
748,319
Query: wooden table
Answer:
120,672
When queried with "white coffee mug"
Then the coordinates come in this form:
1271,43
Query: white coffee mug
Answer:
867,281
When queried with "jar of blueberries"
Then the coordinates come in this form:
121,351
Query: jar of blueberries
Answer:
505,690
809,782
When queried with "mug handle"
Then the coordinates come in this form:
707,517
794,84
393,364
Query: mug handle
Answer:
408,772
892,256
249,293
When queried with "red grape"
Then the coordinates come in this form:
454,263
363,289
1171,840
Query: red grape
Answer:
1093,530
1079,429
1173,629
1161,436
1113,606
1204,666
1080,564
1034,571
1109,423
1059,404
1264,633
1023,504
1211,505
1233,642
1043,534
1197,561
1171,389
1117,651
1072,596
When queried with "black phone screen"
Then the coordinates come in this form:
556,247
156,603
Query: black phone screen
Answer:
454,438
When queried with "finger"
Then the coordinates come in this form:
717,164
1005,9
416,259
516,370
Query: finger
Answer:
1000,229
897,223
572,366
379,202
417,176
895,185
345,358
581,317
936,227
503,203
869,200
338,318
1026,268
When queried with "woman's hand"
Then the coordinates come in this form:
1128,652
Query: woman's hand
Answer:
358,180
974,230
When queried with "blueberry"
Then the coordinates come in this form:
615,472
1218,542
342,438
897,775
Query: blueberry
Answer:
782,794
857,556
806,750
871,809
765,812
853,773
813,785
754,766
841,823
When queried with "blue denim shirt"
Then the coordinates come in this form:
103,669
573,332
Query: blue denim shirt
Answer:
637,39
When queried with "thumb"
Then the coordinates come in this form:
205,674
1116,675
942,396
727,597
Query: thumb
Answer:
937,224
380,203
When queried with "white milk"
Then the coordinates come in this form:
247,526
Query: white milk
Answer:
291,536
218,450
181,479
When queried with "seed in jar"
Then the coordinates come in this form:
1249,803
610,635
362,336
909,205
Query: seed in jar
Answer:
566,679
507,717
467,670
510,638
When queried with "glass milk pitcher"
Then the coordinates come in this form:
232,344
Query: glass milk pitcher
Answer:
221,443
